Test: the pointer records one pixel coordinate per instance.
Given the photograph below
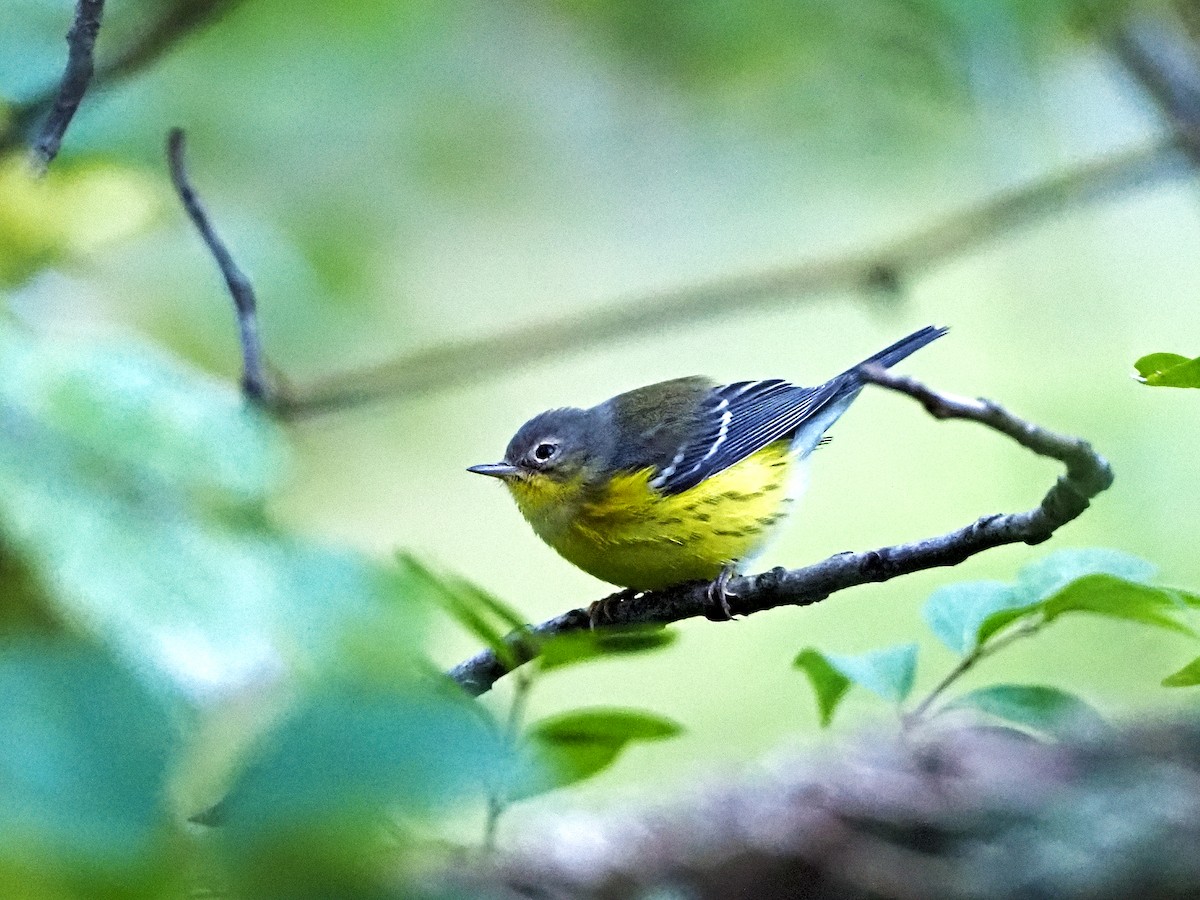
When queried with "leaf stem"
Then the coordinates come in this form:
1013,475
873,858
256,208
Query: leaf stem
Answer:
968,662
498,802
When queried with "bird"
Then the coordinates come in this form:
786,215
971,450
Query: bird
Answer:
680,481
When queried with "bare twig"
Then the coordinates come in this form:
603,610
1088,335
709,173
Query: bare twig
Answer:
81,43
175,23
891,263
254,379
1087,474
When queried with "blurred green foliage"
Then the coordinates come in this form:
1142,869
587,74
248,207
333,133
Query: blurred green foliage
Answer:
977,619
132,518
85,752
133,490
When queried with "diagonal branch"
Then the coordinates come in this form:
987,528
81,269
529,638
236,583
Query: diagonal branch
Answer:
1087,474
81,44
887,265
254,379
178,20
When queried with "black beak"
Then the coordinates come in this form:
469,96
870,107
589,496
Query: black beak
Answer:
496,470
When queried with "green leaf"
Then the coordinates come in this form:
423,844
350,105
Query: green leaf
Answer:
575,647
351,752
574,746
888,673
1188,676
1082,580
956,613
132,492
1169,370
484,615
828,683
1001,619
1051,573
1041,709
1117,598
84,756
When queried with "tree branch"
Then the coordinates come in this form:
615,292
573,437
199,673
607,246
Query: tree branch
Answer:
888,265
1087,474
254,379
81,43
179,20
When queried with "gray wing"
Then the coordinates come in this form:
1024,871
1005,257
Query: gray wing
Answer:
737,420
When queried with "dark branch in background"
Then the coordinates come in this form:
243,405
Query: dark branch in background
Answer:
81,43
175,23
1161,56
1087,474
254,380
889,265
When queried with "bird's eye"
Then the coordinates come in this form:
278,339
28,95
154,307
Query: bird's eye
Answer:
544,451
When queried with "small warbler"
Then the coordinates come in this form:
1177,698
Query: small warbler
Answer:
679,481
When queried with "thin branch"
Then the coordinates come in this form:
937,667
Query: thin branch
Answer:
891,263
81,44
176,22
1087,474
254,379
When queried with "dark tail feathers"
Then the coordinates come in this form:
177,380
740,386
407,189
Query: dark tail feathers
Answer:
904,347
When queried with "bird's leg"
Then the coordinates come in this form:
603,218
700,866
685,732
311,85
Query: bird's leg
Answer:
600,613
719,594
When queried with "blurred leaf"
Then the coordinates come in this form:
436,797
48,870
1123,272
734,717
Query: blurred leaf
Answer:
1118,599
1169,370
1040,579
1188,676
25,605
1040,583
84,753
484,615
1045,710
888,673
576,745
582,646
787,56
957,612
72,211
131,491
351,752
828,683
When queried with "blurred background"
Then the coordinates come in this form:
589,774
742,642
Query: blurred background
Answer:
398,176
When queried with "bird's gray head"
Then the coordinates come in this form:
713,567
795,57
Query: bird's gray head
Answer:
560,444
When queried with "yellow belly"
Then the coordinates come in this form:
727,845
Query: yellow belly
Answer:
633,537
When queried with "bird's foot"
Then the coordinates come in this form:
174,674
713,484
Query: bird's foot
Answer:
602,612
719,594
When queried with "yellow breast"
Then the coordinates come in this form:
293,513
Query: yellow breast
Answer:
632,536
